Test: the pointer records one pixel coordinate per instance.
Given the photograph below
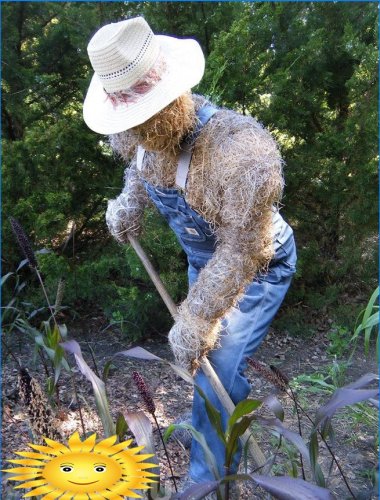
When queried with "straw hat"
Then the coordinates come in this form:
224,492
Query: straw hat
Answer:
137,74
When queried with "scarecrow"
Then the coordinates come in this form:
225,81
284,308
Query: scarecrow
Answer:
216,177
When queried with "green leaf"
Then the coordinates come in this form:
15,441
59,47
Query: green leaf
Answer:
50,386
314,452
370,305
368,321
236,431
106,369
213,415
57,362
242,408
327,430
121,426
208,455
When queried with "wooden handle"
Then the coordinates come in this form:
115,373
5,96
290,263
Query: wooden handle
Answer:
208,370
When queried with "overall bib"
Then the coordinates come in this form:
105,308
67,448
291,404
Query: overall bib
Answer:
245,325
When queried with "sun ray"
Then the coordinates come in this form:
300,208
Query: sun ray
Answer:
31,484
112,495
132,483
140,458
135,450
23,477
42,490
141,465
92,496
142,476
23,470
105,445
89,443
30,454
66,496
124,492
75,443
145,465
81,496
56,446
26,461
116,448
52,496
45,449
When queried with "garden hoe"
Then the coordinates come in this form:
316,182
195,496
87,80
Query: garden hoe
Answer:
208,370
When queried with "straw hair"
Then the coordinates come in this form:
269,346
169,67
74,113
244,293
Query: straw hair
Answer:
235,179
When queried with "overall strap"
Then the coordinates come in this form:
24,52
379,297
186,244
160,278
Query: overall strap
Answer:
187,146
140,157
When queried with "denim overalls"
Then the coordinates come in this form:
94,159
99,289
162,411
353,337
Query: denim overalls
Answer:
245,325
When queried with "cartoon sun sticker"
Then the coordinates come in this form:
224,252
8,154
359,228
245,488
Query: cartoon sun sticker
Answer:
83,469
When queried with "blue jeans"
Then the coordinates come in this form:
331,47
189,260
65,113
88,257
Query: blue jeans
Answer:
245,325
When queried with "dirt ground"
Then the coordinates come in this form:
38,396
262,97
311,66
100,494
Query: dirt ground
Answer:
355,442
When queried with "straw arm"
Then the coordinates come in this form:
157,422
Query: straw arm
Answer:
208,370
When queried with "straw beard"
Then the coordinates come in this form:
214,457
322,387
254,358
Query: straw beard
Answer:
165,130
235,178
161,133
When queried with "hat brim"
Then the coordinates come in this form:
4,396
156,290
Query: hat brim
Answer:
184,69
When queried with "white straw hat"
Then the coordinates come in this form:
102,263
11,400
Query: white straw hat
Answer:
137,74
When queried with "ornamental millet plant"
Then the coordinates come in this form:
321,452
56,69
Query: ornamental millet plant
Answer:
276,377
151,408
26,248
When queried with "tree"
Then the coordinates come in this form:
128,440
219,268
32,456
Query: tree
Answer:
311,80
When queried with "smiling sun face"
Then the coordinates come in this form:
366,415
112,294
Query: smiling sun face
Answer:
97,470
80,472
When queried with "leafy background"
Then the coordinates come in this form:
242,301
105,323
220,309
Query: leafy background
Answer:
308,71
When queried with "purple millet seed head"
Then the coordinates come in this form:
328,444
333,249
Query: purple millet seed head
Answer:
267,373
23,241
145,393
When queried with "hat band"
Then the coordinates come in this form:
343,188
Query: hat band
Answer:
141,87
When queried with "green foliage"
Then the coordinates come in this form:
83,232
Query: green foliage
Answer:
367,321
311,80
339,338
